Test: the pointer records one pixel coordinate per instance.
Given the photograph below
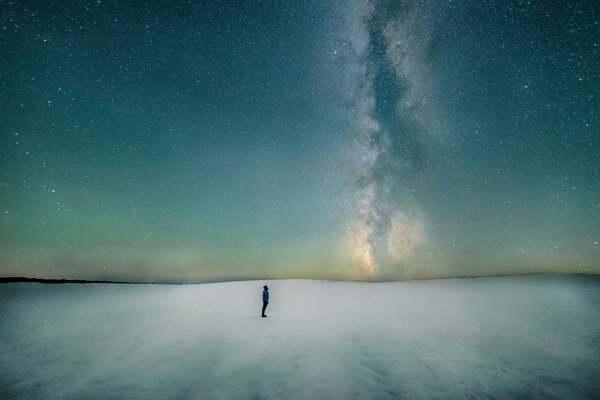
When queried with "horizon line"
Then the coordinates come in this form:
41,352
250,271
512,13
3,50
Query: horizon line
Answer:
22,279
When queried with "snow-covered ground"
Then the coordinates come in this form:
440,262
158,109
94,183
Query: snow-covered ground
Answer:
501,338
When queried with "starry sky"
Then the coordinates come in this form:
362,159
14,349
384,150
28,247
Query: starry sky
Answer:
179,141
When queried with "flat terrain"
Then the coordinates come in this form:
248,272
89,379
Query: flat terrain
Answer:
487,338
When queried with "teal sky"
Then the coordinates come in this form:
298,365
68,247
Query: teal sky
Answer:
184,141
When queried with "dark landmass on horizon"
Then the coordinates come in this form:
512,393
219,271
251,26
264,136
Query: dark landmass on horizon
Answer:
59,281
20,279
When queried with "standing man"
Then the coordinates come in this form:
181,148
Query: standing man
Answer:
265,299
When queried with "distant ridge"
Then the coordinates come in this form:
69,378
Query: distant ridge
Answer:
17,279
59,281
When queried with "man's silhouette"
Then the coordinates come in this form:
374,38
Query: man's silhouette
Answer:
265,299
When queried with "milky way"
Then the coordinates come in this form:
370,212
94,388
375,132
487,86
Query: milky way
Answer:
384,225
370,140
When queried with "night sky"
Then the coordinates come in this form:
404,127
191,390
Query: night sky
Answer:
191,141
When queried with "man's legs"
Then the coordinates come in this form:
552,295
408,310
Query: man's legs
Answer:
264,308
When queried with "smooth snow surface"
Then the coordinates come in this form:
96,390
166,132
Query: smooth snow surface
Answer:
492,338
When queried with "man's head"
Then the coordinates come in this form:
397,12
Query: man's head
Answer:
265,287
